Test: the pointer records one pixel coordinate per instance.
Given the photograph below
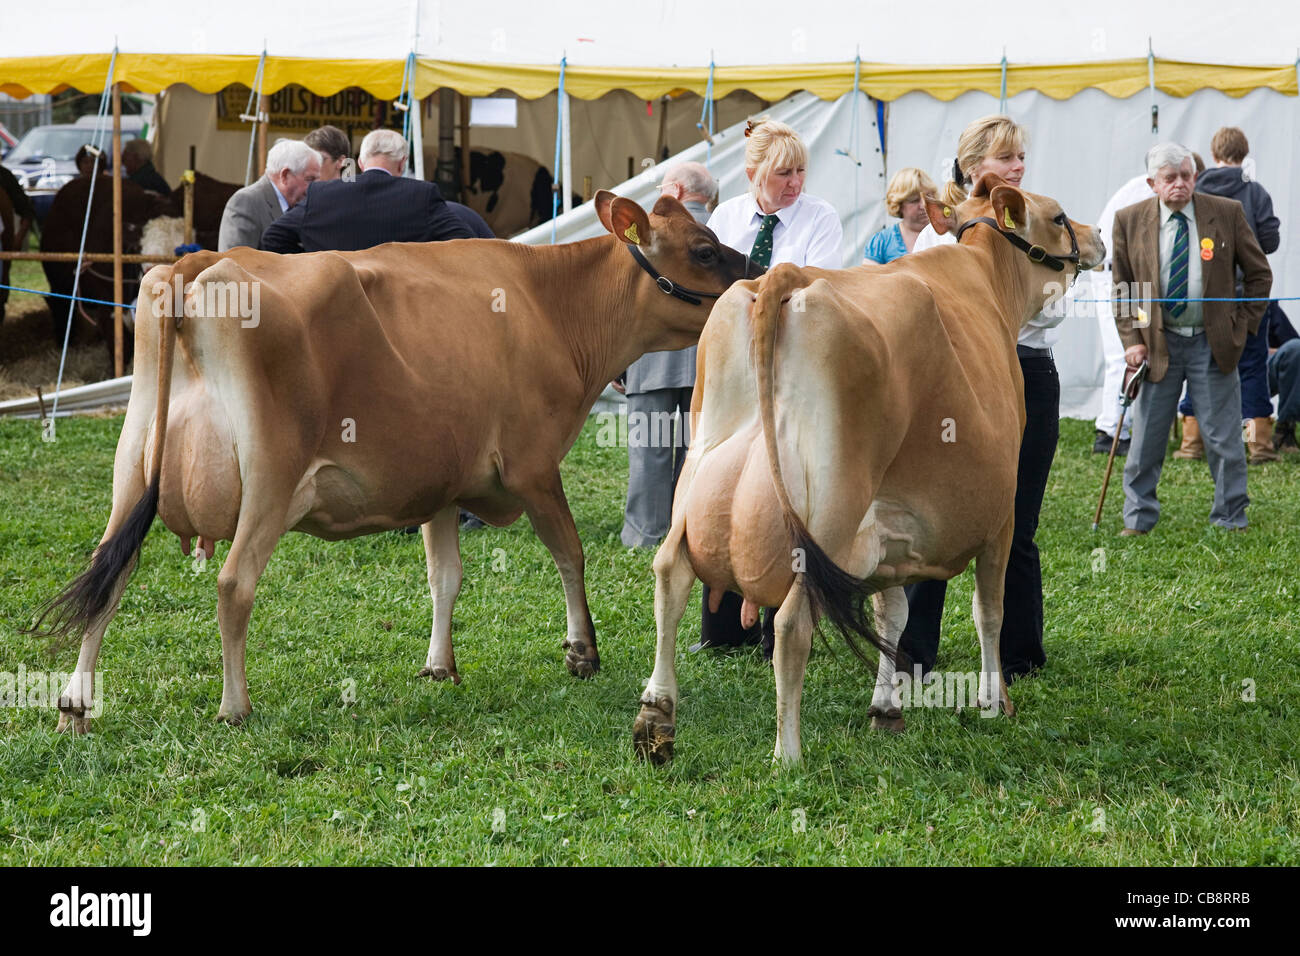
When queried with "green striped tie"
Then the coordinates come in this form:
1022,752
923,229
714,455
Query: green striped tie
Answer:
1178,269
762,251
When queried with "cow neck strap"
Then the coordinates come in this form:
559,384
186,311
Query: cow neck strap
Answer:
667,285
1035,253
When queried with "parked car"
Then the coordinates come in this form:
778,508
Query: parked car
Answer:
44,159
7,140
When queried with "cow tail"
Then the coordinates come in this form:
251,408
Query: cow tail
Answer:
83,601
832,592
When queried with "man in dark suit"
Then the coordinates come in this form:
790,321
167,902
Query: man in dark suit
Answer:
476,224
1183,248
380,206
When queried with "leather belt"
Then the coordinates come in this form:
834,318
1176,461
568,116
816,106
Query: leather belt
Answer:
1024,351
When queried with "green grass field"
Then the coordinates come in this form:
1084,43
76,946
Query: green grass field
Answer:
1140,743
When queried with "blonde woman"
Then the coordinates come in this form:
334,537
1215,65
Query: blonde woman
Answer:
775,222
903,201
996,144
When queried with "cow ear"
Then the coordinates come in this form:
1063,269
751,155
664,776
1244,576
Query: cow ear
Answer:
943,217
986,185
668,206
1009,209
629,221
604,198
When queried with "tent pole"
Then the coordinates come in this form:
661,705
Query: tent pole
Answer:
417,135
261,143
117,230
446,174
566,197
1002,101
556,186
1151,82
187,179
256,134
95,140
464,147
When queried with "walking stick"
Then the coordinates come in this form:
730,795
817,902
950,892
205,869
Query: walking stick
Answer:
1126,398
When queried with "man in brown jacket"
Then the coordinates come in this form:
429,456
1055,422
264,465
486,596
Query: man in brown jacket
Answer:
1180,249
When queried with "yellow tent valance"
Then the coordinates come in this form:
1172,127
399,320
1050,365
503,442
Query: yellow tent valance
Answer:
153,73
884,81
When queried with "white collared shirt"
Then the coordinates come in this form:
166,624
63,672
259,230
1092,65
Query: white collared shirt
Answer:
284,203
807,232
1039,332
1192,317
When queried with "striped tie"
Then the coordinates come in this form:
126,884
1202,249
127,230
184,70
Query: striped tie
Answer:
1177,289
762,251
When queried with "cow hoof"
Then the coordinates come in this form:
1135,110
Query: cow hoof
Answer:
1002,706
654,731
233,717
577,661
73,724
441,673
889,720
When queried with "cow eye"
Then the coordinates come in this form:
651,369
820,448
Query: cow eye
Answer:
706,254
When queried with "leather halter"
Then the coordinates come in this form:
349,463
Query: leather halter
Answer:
1034,252
669,287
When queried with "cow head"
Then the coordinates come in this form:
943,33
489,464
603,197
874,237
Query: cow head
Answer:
1034,224
682,257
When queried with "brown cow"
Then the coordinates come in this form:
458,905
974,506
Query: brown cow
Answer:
376,390
858,431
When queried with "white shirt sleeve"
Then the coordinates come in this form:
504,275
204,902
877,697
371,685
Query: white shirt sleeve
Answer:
825,240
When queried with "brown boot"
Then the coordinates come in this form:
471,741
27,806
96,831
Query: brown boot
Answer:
1260,443
1192,446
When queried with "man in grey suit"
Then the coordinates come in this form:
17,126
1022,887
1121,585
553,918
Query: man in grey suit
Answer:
1185,248
291,167
659,384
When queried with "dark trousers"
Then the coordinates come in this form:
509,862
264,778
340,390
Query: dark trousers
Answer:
1022,603
723,629
1252,368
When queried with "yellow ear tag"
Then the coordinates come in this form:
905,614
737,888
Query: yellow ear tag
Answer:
1007,220
947,210
631,234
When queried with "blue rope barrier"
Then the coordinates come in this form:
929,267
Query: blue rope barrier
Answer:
60,295
1271,298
